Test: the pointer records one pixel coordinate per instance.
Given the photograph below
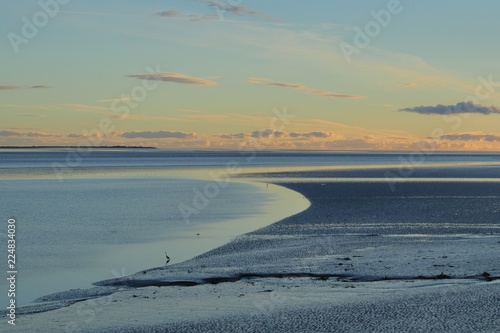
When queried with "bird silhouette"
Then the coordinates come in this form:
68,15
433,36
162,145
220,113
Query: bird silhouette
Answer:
168,259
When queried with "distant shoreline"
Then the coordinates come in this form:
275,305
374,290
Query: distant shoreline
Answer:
97,147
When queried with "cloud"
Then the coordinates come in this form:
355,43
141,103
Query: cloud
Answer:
405,85
59,107
81,107
320,135
220,8
278,84
232,136
258,79
75,135
174,77
158,135
201,18
462,107
280,134
325,93
422,80
39,87
34,115
190,17
10,87
266,133
22,87
471,137
95,135
24,128
306,90
122,99
237,10
26,134
169,13
37,107
9,133
285,85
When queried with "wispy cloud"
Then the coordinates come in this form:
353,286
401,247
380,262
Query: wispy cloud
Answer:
471,137
347,130
26,134
193,17
134,117
158,135
421,80
94,135
237,10
462,107
169,13
23,87
24,128
201,18
310,91
10,87
174,77
325,93
258,79
309,135
285,85
238,136
276,84
35,107
208,118
33,115
117,99
82,107
39,87
220,8
273,139
268,133
62,107
406,85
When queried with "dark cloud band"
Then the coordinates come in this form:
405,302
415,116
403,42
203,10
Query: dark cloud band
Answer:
463,107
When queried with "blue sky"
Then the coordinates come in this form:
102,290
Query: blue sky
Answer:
222,67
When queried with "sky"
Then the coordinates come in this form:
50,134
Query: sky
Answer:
281,74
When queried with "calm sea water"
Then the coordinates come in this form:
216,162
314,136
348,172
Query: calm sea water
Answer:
78,231
72,231
75,231
22,158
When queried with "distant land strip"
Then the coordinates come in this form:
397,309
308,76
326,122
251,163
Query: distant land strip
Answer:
74,147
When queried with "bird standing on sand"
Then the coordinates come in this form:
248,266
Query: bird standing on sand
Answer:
168,259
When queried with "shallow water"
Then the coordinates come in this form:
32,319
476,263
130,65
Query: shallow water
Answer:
75,232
